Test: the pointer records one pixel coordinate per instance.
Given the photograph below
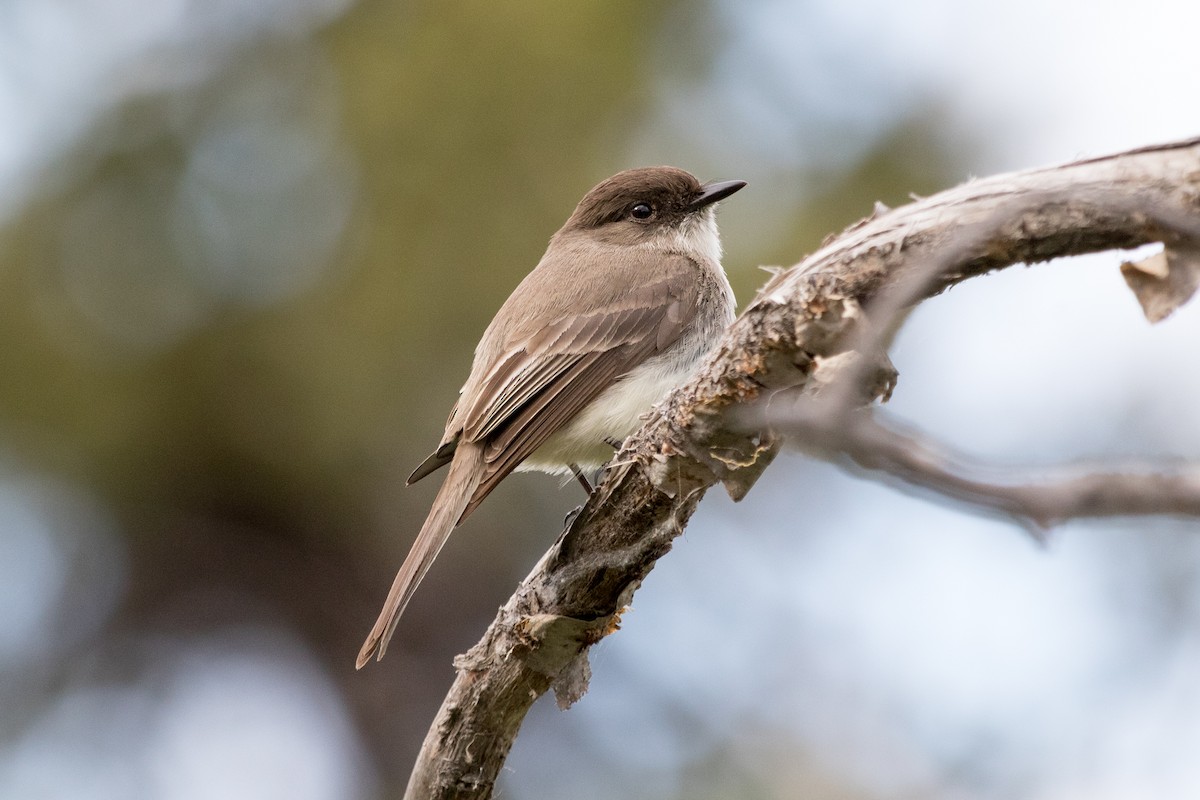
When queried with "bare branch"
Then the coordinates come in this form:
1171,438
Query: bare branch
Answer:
800,325
828,418
1037,499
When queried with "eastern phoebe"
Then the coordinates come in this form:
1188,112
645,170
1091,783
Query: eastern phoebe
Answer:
627,299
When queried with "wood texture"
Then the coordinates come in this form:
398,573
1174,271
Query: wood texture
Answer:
805,317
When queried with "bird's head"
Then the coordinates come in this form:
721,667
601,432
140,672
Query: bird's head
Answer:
652,206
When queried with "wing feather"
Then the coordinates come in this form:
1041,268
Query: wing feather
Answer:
540,419
545,377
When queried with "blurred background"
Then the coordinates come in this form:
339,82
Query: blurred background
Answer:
247,246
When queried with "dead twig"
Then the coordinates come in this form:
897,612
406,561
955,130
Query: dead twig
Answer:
791,337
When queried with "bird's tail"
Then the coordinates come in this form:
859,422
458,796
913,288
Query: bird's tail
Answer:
466,470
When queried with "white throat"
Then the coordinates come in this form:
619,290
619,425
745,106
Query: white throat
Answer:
696,236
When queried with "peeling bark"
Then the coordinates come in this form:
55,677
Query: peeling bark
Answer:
804,326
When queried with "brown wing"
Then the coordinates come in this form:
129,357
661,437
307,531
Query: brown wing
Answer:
539,387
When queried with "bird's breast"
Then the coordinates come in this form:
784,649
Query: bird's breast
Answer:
617,411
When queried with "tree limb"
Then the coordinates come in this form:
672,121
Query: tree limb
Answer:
1037,501
805,321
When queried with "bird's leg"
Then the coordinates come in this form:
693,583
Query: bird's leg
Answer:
612,442
587,487
616,444
583,481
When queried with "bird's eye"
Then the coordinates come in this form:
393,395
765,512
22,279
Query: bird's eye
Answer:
641,211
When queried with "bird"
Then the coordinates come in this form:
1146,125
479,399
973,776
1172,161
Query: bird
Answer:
627,299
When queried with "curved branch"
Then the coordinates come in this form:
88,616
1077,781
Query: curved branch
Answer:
1036,499
801,322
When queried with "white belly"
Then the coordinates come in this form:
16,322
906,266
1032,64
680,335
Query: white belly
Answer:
615,414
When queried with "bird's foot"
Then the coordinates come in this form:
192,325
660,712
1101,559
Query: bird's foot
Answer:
583,481
571,516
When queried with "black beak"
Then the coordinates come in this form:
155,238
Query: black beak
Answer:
712,192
